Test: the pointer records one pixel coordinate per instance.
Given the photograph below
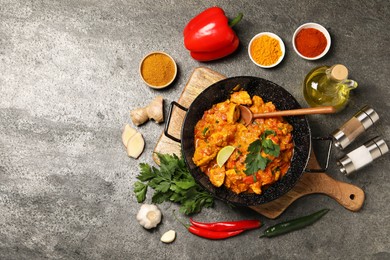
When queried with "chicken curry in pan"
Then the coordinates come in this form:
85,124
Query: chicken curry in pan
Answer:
262,150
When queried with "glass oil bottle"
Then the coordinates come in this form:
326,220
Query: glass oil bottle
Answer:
328,86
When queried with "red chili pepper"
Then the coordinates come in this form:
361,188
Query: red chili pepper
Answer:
210,234
205,233
209,36
227,225
249,179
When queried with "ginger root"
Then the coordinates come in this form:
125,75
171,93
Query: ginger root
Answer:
127,133
133,141
153,111
135,145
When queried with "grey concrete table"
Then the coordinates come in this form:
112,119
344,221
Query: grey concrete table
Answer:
69,76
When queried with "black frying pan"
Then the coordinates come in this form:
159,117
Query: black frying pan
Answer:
269,91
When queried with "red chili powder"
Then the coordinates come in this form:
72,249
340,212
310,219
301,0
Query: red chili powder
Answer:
310,42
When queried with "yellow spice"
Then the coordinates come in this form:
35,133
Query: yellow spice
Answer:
265,50
158,69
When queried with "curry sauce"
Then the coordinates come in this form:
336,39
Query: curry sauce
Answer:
220,127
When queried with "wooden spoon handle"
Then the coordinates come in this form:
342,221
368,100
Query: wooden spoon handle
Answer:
297,112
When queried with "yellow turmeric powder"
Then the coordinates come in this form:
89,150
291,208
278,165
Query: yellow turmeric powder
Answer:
265,50
158,69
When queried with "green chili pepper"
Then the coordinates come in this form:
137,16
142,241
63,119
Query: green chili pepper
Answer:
295,224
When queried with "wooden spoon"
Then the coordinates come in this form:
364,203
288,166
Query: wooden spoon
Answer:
247,116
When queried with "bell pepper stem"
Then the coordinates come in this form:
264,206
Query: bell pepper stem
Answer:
236,20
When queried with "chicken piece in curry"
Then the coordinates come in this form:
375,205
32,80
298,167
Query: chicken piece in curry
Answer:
263,149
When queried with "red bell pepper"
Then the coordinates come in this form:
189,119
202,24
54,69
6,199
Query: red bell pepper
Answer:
209,36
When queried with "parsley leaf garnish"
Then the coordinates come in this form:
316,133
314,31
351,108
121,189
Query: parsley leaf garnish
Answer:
146,172
140,191
205,130
254,160
270,148
172,182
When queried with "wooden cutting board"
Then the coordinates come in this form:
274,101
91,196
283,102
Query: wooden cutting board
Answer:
348,195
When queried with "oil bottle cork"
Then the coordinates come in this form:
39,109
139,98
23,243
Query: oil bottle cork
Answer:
355,126
338,72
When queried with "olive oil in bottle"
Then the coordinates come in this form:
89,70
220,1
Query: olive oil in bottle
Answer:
328,86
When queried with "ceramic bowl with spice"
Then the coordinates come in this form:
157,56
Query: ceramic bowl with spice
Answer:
158,69
311,41
266,50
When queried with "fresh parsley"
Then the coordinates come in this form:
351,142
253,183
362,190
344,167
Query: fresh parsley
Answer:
254,160
172,182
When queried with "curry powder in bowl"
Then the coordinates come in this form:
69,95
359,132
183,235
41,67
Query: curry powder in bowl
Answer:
311,41
158,69
266,50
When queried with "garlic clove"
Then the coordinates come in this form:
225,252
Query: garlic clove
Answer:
149,216
168,237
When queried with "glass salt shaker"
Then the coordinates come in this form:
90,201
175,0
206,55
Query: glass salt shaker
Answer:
355,126
363,155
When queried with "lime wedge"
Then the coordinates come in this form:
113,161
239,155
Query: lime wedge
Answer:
224,154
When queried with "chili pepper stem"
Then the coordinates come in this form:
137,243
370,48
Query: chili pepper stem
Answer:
181,222
236,20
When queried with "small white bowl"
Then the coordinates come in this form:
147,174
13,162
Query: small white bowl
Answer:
319,28
160,69
282,47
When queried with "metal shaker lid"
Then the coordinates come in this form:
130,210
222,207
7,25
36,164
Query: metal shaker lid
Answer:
367,116
346,165
340,139
377,147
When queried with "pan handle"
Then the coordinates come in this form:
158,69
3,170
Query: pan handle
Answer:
166,128
323,138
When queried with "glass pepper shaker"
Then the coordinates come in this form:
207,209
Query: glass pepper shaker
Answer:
355,126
